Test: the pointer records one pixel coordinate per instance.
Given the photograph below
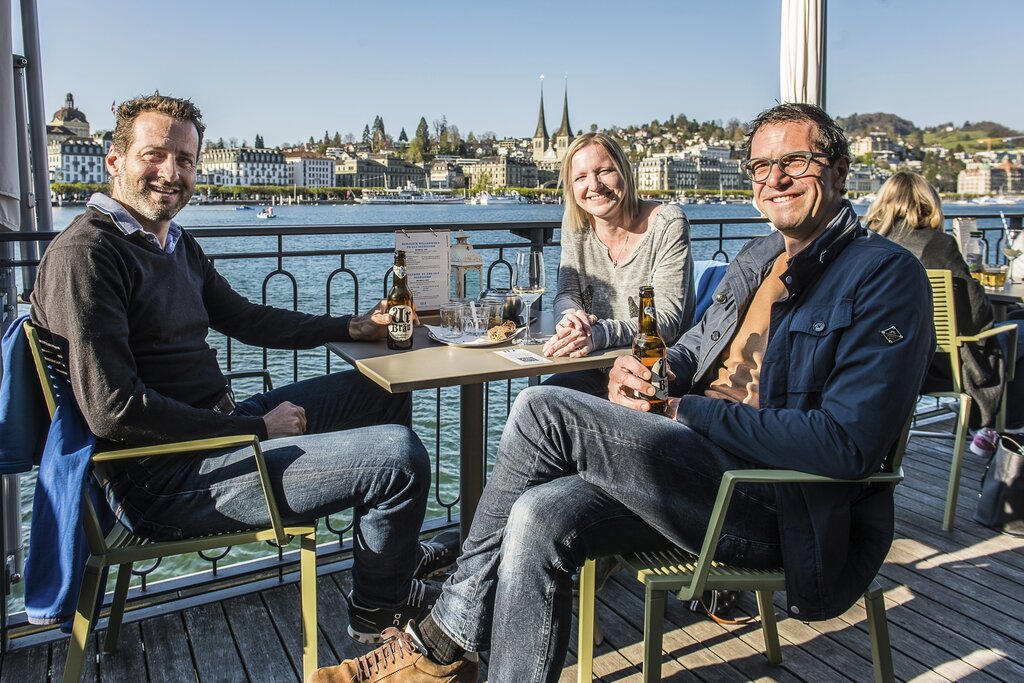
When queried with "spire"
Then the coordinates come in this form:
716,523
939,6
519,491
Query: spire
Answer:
542,129
566,129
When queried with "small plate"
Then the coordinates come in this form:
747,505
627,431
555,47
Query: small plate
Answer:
435,333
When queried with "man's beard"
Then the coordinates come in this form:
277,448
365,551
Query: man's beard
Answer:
139,198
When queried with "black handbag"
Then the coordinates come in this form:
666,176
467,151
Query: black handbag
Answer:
1001,502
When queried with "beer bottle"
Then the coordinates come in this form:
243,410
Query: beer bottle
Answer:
649,349
400,307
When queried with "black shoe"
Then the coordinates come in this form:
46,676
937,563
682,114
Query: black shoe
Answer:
366,623
438,554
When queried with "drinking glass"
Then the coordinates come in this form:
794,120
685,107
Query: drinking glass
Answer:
474,320
1011,252
451,320
528,283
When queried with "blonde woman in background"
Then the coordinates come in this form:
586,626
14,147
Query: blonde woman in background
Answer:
908,211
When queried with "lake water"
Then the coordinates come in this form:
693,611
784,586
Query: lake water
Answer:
437,429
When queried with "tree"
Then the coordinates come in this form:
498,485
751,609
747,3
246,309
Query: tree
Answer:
402,137
233,142
311,142
336,140
378,137
259,141
423,135
366,134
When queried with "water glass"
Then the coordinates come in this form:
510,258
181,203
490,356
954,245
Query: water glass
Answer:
474,320
451,320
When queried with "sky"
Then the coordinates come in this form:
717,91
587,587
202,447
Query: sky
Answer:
291,70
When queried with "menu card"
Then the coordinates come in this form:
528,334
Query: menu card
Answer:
428,263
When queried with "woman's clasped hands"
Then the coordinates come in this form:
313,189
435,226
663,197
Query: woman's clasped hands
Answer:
572,335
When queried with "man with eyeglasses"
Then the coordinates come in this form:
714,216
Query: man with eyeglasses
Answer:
809,358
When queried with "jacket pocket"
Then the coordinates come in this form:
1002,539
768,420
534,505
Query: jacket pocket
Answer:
814,335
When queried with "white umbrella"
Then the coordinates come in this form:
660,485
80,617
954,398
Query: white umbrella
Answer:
802,52
10,187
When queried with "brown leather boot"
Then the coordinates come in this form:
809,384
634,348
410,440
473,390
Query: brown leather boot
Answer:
399,660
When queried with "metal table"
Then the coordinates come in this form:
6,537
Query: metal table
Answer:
430,364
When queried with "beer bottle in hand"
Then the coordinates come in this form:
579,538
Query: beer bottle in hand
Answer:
649,349
400,307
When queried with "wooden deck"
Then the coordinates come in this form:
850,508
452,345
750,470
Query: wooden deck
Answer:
955,608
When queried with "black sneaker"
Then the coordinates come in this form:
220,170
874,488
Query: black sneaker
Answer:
366,623
438,554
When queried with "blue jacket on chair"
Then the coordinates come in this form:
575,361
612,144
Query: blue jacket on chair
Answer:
57,550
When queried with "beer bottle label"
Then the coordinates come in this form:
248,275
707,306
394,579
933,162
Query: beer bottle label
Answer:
400,328
399,271
659,380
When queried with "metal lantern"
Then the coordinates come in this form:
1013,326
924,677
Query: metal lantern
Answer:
465,262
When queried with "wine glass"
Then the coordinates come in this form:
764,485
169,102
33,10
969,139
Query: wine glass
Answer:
1010,251
528,283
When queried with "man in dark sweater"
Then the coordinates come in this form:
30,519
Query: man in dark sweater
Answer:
129,297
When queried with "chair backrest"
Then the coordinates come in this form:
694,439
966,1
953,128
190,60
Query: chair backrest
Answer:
706,275
41,363
944,319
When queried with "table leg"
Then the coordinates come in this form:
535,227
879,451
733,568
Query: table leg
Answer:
471,453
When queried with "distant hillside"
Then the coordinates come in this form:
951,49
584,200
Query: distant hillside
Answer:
861,124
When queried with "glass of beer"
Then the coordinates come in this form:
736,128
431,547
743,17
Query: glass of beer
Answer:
994,277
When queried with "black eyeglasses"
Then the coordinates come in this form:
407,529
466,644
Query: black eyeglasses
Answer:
794,164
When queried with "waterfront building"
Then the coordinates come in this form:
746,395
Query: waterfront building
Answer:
539,144
983,177
67,122
564,135
76,160
378,171
244,166
863,178
690,172
308,169
872,143
446,174
498,172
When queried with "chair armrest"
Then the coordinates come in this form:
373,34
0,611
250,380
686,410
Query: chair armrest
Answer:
199,445
176,448
263,373
1011,362
760,476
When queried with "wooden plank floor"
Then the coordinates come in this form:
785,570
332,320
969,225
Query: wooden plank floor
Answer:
955,608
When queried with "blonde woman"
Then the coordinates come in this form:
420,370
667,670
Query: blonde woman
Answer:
612,243
908,211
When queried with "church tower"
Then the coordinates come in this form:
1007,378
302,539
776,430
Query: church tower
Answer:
564,136
540,137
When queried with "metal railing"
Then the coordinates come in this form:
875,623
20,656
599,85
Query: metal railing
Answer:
281,264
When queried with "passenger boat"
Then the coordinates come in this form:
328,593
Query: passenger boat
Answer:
487,199
410,194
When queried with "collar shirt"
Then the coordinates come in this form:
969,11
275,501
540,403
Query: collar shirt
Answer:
127,224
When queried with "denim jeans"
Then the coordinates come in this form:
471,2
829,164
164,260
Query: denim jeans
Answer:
575,477
594,382
358,452
1015,388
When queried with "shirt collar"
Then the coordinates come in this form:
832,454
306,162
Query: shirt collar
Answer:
127,224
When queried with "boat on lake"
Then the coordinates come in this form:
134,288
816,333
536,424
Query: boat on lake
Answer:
487,199
410,194
266,212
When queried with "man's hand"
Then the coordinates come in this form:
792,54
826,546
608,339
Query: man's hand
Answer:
287,419
374,325
628,379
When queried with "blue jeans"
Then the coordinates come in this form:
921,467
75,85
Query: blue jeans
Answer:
1015,388
350,457
576,477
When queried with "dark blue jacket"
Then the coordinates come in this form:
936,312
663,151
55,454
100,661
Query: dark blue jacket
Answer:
847,349
57,551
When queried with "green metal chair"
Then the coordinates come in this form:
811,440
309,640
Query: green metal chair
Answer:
948,340
121,548
689,576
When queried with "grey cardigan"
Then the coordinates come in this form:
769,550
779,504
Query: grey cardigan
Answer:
588,279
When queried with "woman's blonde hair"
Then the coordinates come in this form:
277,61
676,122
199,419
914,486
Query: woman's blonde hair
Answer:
577,217
906,202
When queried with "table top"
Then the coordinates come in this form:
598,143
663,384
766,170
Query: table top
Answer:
1010,294
430,364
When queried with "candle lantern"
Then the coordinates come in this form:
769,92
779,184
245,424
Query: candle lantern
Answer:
467,266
